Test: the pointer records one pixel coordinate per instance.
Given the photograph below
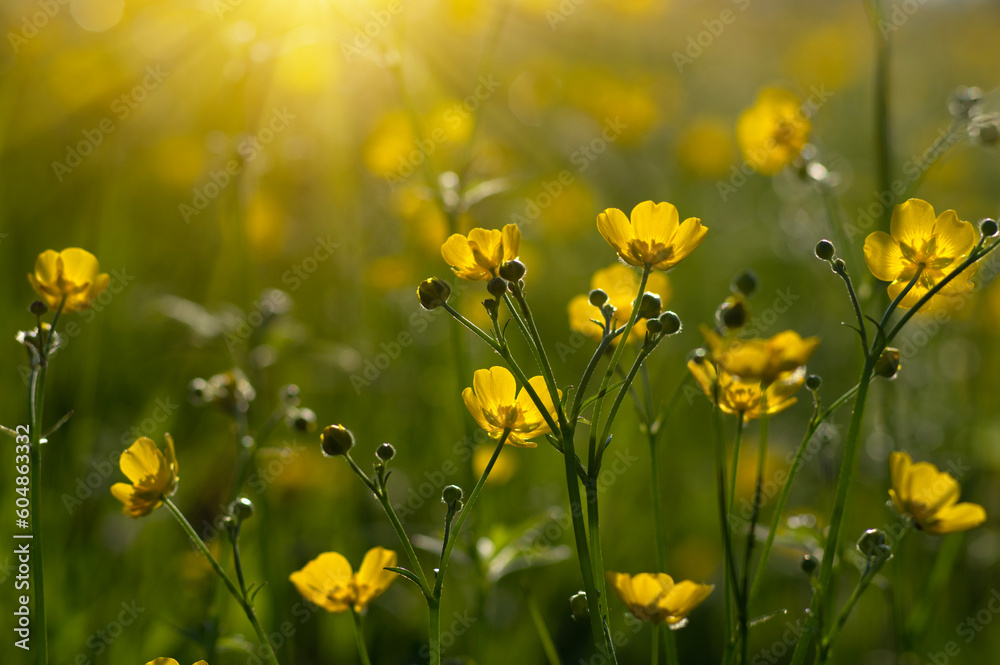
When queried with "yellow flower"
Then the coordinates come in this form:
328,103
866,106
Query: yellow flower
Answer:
772,132
652,236
621,284
930,497
921,240
72,274
655,597
481,254
763,360
492,402
329,582
170,661
153,475
739,396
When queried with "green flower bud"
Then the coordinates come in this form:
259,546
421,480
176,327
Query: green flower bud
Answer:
241,509
649,306
988,228
598,298
578,606
491,307
433,293
385,452
336,440
452,495
671,324
872,544
497,287
809,564
733,313
513,270
888,364
654,326
813,382
745,283
825,250
38,308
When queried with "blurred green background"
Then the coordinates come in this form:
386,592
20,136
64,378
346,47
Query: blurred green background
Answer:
118,121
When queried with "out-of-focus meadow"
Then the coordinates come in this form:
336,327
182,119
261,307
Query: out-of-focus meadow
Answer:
209,152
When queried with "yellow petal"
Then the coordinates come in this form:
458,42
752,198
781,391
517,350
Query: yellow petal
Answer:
689,236
511,242
954,237
472,404
912,222
616,230
47,267
165,661
142,462
326,581
79,266
654,222
960,517
494,387
883,256
684,597
531,413
372,578
899,470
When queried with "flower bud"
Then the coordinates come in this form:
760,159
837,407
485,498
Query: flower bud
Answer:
988,228
888,364
825,250
671,323
985,130
513,270
872,544
654,326
433,293
491,307
598,298
649,306
385,452
497,287
733,313
38,308
578,606
241,509
336,440
745,283
809,564
452,495
813,382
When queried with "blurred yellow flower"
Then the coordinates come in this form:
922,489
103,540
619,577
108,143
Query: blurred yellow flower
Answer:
739,396
655,597
153,475
621,284
503,469
653,236
496,405
73,274
705,148
171,661
479,256
921,241
329,582
930,497
772,132
627,105
763,360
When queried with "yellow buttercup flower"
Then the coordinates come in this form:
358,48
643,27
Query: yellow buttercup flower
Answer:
921,241
153,475
73,274
930,497
329,582
496,405
653,236
773,131
739,396
656,598
621,284
171,661
763,360
481,254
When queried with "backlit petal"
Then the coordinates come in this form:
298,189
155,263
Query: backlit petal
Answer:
883,256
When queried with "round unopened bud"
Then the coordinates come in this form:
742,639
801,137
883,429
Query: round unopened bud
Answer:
671,323
814,381
497,287
649,306
597,298
513,270
241,509
304,420
988,228
872,543
745,283
491,307
825,250
452,494
986,130
433,293
654,326
578,606
336,440
888,364
733,313
385,452
38,308
809,564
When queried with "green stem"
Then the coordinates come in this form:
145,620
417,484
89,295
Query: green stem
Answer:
535,341
548,646
619,398
730,581
883,135
220,571
751,534
434,630
740,424
654,648
359,635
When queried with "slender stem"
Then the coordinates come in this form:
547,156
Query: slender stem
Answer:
587,373
654,647
237,564
359,635
659,528
899,298
536,341
779,507
729,568
883,135
842,272
751,534
613,412
548,646
434,630
220,571
473,327
740,424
